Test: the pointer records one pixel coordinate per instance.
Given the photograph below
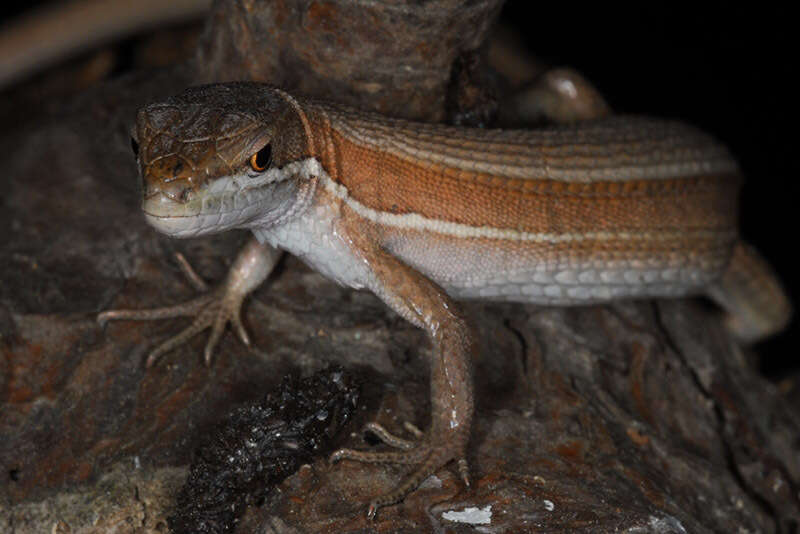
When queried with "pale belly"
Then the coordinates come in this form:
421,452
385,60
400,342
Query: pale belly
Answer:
566,273
565,270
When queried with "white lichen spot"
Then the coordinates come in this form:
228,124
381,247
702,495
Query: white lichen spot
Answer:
658,525
470,515
666,524
432,482
548,505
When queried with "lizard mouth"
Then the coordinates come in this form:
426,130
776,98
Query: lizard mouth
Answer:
173,218
202,212
161,205
209,210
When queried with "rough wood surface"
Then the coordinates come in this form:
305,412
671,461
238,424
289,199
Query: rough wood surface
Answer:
393,57
635,417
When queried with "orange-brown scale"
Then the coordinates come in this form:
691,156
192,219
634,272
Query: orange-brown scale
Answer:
385,182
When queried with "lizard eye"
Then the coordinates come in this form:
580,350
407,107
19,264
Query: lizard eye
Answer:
261,159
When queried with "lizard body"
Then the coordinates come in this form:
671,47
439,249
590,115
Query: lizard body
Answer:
422,214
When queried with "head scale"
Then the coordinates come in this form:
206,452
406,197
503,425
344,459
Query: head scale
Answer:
214,157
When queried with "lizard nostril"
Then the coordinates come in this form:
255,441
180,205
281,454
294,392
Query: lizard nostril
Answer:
175,189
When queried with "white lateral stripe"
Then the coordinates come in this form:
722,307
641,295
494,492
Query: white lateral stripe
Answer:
415,221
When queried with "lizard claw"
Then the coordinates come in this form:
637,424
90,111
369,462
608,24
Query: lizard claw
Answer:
428,457
213,310
216,308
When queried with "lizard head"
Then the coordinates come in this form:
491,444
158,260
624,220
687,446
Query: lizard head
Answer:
217,157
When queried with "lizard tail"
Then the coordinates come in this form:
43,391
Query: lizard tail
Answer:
749,291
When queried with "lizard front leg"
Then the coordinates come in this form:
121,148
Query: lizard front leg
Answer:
215,308
425,304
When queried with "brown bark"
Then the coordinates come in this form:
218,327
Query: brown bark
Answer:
393,57
632,417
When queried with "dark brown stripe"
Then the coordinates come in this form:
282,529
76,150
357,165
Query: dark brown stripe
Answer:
385,182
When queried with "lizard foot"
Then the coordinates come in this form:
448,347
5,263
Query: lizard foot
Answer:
213,310
427,455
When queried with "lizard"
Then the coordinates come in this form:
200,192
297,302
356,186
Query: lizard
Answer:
425,215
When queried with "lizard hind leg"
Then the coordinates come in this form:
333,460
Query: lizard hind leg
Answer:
427,458
426,305
750,293
405,444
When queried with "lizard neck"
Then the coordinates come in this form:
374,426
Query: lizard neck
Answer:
291,198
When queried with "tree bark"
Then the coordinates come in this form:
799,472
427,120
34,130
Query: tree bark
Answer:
631,417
